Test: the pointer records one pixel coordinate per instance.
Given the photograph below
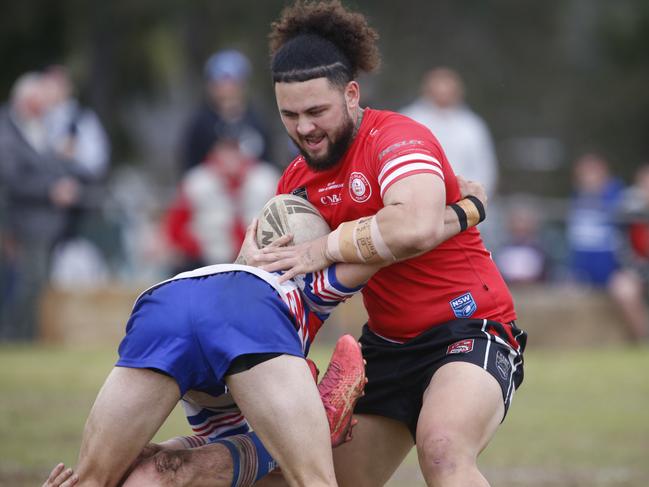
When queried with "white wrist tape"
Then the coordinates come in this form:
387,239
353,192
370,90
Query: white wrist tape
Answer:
381,247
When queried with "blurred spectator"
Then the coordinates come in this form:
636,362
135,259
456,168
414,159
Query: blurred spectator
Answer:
634,213
76,134
225,108
74,131
464,136
632,289
135,209
216,201
522,258
592,235
78,264
595,242
39,188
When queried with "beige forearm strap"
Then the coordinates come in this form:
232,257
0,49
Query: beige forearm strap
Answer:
359,241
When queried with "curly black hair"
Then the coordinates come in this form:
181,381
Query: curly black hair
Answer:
322,38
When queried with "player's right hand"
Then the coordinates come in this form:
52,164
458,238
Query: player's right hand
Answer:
250,252
61,477
473,188
297,259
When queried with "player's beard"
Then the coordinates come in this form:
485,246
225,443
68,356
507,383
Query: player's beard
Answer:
338,145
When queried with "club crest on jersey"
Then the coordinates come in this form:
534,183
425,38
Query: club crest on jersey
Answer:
359,187
463,346
503,365
463,306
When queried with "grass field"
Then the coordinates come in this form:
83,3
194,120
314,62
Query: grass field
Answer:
580,419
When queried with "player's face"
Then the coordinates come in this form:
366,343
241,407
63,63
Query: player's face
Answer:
319,118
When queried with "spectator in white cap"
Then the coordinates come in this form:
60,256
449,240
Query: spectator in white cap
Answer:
226,107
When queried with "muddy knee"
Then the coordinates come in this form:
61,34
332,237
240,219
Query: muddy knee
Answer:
168,462
160,470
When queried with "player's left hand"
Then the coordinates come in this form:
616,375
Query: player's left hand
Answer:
61,477
297,259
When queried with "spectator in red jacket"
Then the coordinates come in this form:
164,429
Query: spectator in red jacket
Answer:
216,200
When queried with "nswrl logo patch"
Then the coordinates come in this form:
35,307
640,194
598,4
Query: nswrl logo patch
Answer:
463,306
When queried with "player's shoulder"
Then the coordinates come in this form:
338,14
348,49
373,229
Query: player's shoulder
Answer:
294,174
388,118
387,124
394,134
298,164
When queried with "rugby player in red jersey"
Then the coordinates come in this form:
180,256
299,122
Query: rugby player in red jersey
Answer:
443,352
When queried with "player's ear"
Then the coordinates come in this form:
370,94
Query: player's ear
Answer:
352,95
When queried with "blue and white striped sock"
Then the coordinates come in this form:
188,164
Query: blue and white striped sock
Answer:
250,459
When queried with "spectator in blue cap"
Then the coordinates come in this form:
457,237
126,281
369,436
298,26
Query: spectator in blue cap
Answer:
227,64
226,108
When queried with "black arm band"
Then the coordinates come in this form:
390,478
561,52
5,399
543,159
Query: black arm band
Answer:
461,216
478,204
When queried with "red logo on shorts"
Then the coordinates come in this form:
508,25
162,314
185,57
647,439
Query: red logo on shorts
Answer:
463,346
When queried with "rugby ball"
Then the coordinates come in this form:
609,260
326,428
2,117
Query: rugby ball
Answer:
287,213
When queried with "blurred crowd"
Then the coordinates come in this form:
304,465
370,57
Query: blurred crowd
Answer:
53,153
69,219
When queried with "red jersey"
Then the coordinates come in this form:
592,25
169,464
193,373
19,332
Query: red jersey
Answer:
457,279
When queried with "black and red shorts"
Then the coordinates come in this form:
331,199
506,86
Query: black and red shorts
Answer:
399,373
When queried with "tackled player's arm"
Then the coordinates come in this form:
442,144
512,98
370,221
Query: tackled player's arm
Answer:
354,275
